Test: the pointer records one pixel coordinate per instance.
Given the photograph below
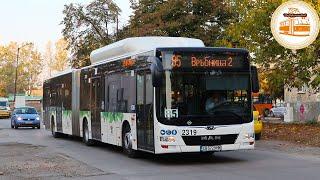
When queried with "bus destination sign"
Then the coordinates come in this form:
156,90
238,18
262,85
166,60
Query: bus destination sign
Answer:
211,61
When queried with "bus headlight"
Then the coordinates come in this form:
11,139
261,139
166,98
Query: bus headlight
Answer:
167,139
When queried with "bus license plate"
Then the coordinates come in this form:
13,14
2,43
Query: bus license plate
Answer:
210,148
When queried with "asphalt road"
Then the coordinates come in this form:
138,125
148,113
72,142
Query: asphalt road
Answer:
249,165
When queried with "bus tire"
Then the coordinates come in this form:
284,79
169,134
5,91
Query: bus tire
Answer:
257,136
127,141
85,134
53,132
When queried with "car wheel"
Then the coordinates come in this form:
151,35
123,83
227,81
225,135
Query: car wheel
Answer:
38,127
85,136
127,142
266,112
15,126
12,126
272,114
257,136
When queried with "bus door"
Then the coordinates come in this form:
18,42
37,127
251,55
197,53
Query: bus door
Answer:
59,104
144,110
96,106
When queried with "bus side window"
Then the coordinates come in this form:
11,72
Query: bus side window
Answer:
107,97
140,83
121,102
149,89
128,96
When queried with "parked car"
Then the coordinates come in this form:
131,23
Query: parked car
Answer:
4,108
25,117
257,123
278,111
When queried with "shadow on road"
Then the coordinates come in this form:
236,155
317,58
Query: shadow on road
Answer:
165,159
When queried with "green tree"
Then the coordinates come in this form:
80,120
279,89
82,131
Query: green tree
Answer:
48,57
203,19
29,67
280,66
87,28
61,55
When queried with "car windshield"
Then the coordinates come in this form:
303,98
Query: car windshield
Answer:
201,94
3,103
25,110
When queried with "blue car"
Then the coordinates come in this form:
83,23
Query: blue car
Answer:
25,117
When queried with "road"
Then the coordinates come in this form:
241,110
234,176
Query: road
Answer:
107,162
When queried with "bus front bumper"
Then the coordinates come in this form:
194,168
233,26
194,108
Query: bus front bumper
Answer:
218,148
201,139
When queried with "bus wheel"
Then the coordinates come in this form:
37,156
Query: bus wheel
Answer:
85,135
127,142
53,132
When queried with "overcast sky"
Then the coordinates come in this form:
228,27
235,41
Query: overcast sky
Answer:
38,20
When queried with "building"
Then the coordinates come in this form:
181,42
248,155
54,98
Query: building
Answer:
304,103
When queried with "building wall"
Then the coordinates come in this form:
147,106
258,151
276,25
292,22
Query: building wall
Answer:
302,95
305,103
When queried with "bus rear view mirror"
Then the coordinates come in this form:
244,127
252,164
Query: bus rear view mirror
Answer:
156,71
254,79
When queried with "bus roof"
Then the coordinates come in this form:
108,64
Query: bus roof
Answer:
136,45
60,74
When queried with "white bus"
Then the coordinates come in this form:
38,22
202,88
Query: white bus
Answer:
158,95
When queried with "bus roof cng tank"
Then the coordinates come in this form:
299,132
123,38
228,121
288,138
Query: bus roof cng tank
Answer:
136,45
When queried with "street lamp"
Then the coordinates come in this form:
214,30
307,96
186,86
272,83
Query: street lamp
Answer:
16,76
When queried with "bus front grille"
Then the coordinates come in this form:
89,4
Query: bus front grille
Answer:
210,140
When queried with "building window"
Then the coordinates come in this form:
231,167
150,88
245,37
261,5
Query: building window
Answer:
302,89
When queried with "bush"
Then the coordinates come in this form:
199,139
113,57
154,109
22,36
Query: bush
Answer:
312,122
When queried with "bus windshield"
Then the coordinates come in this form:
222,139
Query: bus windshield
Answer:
214,97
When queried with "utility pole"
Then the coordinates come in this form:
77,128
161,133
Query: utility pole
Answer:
16,76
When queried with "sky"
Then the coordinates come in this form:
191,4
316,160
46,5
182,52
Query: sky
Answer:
38,21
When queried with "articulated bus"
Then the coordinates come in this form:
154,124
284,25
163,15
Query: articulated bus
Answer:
157,94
